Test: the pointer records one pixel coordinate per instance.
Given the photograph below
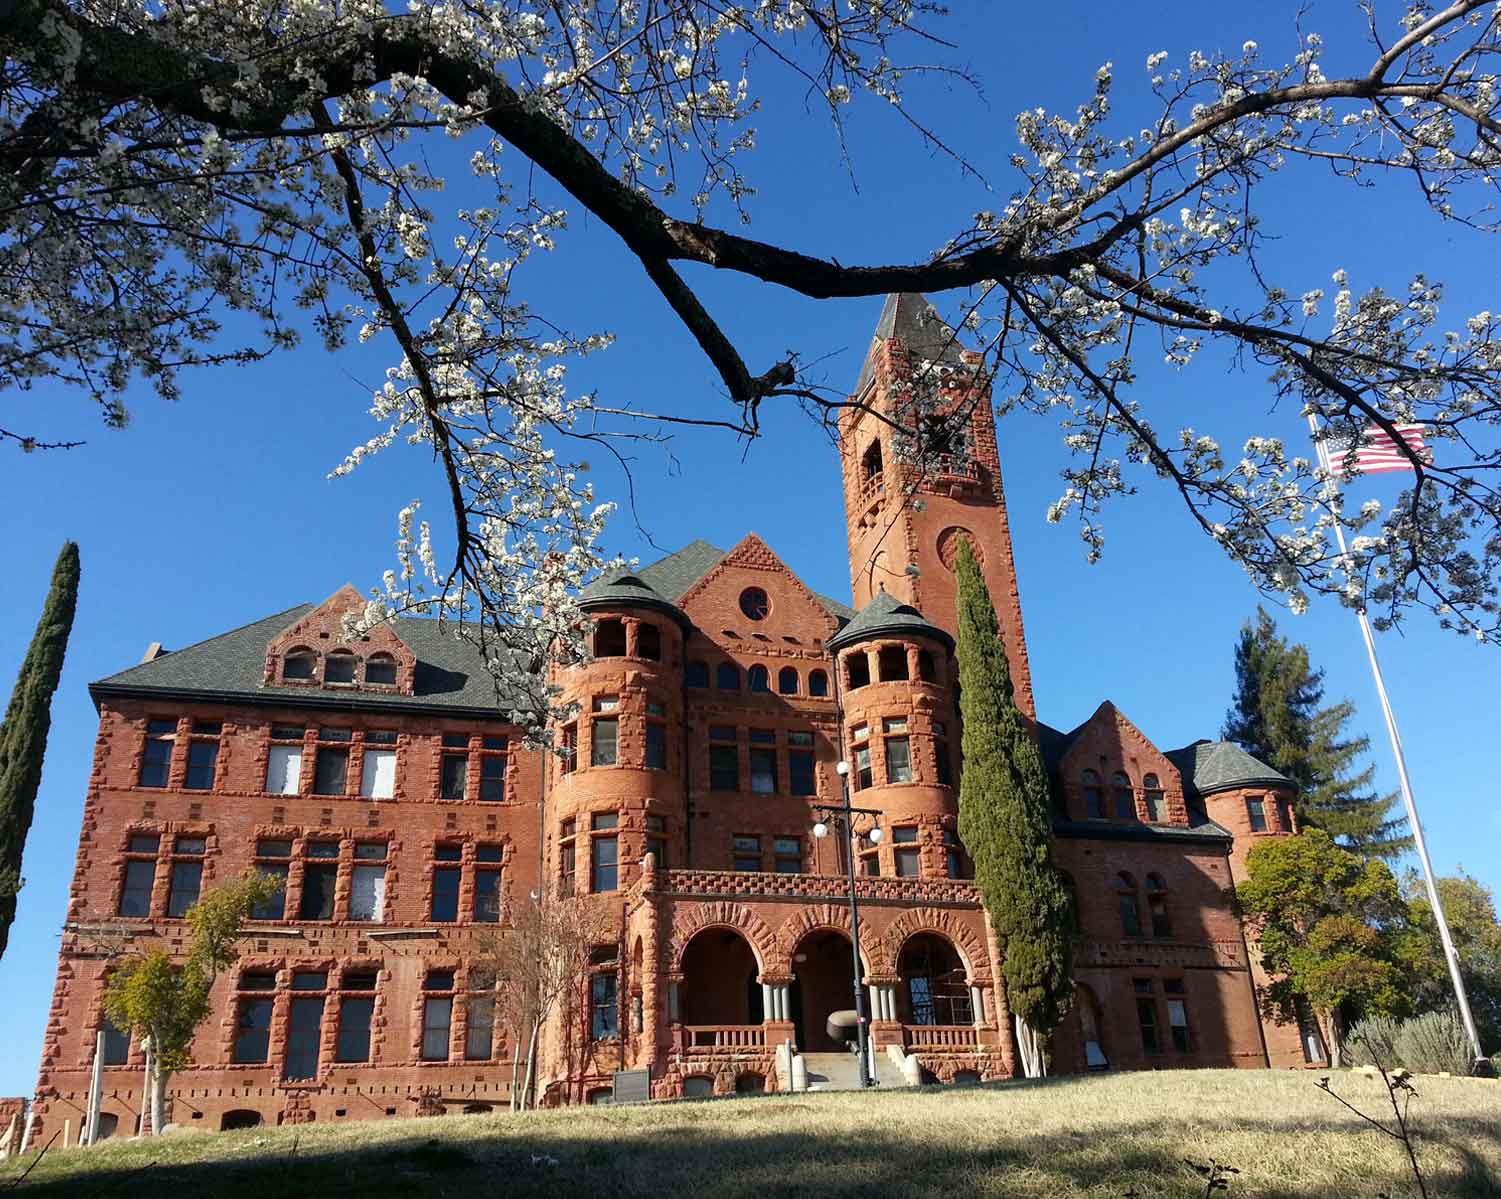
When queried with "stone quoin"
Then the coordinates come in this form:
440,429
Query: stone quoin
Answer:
381,780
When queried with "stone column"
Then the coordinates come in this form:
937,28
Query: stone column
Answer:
977,1002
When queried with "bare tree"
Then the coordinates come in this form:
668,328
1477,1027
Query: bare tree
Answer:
538,963
164,164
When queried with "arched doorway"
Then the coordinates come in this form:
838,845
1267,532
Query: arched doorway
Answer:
823,982
721,980
239,1118
935,984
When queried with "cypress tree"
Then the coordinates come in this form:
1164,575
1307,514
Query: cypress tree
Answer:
1005,824
1276,715
23,735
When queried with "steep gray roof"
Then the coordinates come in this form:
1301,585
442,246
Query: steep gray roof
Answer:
887,616
450,673
673,575
625,588
909,316
1221,765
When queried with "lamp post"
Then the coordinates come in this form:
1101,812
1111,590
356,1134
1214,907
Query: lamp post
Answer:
843,815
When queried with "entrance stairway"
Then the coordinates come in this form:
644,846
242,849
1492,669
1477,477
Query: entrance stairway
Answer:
841,1071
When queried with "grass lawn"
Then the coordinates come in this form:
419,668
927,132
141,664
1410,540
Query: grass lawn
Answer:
1105,1136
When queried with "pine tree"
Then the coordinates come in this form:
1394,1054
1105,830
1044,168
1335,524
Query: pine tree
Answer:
1276,715
1005,824
23,735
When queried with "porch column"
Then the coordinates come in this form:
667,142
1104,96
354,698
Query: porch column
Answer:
883,1002
775,1002
977,1002
674,1002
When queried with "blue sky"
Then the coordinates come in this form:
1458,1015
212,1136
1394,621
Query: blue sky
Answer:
215,511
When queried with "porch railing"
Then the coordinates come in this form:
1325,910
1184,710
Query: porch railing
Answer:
939,1036
712,1038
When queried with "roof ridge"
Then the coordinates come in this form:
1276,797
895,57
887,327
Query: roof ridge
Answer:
206,640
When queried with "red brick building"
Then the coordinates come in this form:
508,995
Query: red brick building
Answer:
380,779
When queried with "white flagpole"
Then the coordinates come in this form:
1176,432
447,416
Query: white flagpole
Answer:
1420,846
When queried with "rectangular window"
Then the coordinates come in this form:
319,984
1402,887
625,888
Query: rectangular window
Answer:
604,871
604,741
330,769
487,896
116,1044
284,770
304,1037
724,759
252,1032
1156,807
355,1012
479,1036
763,771
569,748
455,740
202,758
1285,815
437,1020
187,877
656,840
801,778
908,863
453,781
1257,810
445,907
956,859
788,852
1146,1015
156,760
1177,1014
135,898
318,882
274,908
602,1007
898,760
143,843
747,853
863,776
567,857
492,775
656,745
378,775
367,893
941,758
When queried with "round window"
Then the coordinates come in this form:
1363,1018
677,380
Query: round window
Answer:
753,603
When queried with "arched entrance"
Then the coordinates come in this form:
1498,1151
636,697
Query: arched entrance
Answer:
823,982
935,984
239,1118
721,980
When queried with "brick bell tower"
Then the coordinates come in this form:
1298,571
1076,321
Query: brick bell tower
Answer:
908,504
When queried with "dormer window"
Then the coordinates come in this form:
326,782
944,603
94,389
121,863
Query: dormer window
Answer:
338,667
299,664
380,669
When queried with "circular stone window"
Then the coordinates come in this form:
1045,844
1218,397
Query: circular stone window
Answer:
753,603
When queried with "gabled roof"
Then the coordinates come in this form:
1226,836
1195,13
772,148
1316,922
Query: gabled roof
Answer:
674,575
1221,765
231,667
910,317
887,616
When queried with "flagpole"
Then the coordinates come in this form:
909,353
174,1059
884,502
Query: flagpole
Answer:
1419,844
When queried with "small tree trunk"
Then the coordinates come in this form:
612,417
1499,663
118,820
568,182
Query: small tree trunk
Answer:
515,1075
1336,1026
531,1063
158,1101
1029,1047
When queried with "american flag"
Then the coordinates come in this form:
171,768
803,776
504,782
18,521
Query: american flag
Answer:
1377,452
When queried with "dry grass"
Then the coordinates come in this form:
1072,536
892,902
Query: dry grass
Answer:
1113,1135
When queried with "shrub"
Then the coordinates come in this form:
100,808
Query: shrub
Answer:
1434,1042
1373,1041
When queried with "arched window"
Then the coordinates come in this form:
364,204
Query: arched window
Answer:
926,670
870,464
299,664
109,1124
1094,796
1130,907
338,667
697,1086
649,642
609,639
696,674
892,663
1156,803
380,668
760,678
750,1083
787,680
727,677
1124,801
818,683
1157,906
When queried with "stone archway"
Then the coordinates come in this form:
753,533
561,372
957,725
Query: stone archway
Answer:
823,974
721,984
934,983
690,919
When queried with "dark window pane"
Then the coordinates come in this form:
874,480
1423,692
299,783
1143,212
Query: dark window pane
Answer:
161,728
208,728
602,1004
763,771
190,845
370,851
492,778
488,853
116,1044
487,896
604,820
275,907
944,762
604,739
143,843
494,742
380,669
898,760
656,746
448,853
273,849
787,681
657,847
727,677
338,668
605,875
258,980
297,666
380,737
763,736
331,769
201,758
438,980
354,1029
323,849
437,1018
760,679
1130,916
1146,1017
479,1036
363,980
863,775
186,879
1161,925
286,732
818,683
696,674
309,980
455,776
609,639
335,734
907,863
253,1031
649,641
801,778
906,835
724,768
455,740
445,894
318,892
156,763
304,1035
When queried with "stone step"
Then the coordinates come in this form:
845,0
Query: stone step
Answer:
841,1071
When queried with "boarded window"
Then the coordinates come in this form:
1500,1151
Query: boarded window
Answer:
367,893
